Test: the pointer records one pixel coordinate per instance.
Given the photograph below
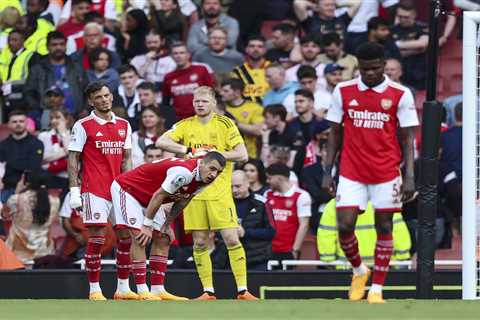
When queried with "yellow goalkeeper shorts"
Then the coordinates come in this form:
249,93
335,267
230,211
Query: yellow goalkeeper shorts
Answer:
210,214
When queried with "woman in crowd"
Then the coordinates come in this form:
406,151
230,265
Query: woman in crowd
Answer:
255,172
152,126
31,211
55,142
134,30
169,20
100,60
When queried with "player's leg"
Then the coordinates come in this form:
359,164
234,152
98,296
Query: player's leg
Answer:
222,215
351,199
95,215
196,222
203,262
127,214
386,199
96,239
159,259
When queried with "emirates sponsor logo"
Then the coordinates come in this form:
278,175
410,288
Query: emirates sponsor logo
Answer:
368,119
110,147
281,214
184,89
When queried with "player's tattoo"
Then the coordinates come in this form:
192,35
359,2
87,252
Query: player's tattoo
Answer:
73,168
177,207
127,163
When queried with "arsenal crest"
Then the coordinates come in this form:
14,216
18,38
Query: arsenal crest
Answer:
96,215
121,133
194,77
386,104
244,114
132,221
288,204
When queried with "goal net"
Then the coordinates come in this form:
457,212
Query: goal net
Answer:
471,158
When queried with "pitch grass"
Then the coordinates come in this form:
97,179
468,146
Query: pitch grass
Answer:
231,309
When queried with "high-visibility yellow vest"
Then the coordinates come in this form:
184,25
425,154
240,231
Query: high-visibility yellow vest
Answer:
38,40
328,243
19,71
11,3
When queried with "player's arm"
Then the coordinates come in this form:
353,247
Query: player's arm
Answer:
165,142
418,44
74,179
250,129
145,234
75,148
408,119
335,116
177,208
304,211
408,180
127,163
237,154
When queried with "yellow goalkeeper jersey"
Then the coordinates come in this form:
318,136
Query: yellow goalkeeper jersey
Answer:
248,112
219,133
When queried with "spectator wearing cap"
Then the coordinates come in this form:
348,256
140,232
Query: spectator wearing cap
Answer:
379,32
53,99
283,41
291,207
280,87
333,76
21,152
216,55
56,69
213,16
324,19
14,61
411,37
304,125
310,48
308,79
333,48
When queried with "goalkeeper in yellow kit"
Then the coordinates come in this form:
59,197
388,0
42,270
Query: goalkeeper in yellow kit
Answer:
213,209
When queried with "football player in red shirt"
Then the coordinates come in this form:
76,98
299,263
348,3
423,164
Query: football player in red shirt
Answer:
145,190
101,142
366,114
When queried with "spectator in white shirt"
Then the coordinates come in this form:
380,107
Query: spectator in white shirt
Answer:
154,65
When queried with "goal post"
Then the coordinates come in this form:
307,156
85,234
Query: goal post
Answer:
471,157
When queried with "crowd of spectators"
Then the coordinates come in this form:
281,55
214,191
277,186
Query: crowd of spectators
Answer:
153,53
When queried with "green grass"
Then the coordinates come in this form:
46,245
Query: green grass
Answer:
230,310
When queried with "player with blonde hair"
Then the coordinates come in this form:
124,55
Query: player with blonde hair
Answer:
213,209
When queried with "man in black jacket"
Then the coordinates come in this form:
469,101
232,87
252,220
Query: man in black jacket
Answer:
55,69
256,224
20,153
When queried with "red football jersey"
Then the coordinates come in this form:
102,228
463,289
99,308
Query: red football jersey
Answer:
176,176
287,208
102,145
179,85
371,116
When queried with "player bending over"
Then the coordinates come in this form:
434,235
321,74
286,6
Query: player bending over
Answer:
368,112
138,196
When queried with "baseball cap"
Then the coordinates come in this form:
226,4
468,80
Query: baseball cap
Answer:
332,67
55,90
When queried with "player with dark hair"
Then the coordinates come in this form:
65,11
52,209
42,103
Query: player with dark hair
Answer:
366,113
102,143
138,197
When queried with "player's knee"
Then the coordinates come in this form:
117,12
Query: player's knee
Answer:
231,241
160,240
345,227
384,227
